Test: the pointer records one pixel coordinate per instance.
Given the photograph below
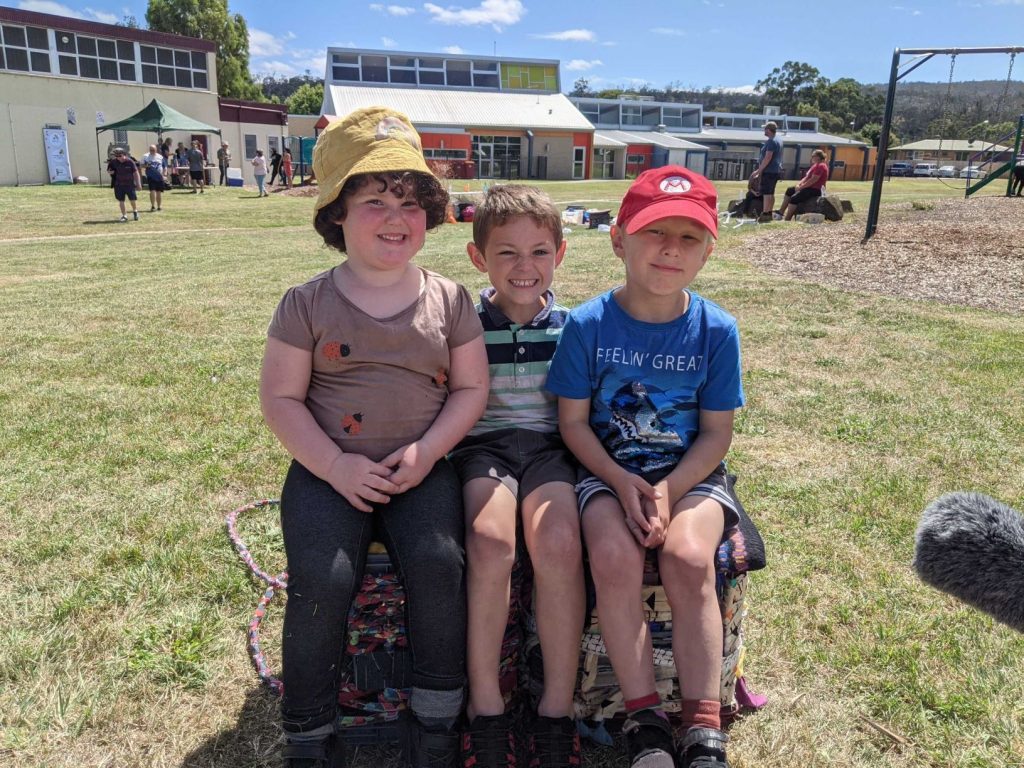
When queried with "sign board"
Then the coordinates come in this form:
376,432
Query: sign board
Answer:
55,142
100,119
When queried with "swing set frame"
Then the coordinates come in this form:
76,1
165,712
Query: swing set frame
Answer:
920,56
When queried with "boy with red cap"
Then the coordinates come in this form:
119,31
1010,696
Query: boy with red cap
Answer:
648,378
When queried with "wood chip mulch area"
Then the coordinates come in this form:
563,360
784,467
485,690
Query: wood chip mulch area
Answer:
968,252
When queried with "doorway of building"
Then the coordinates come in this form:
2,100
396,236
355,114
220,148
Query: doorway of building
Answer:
579,162
485,160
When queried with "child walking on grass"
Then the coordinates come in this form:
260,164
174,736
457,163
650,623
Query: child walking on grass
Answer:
648,379
514,463
373,371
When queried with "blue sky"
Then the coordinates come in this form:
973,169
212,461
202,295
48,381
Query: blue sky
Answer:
717,43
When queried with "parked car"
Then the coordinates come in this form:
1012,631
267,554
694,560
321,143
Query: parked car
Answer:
970,172
901,169
925,169
946,171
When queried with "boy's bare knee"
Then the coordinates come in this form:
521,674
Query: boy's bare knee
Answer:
490,546
558,548
687,566
617,562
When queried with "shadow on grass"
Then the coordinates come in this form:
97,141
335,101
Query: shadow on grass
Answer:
252,743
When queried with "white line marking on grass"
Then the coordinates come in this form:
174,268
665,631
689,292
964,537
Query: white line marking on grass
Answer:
100,235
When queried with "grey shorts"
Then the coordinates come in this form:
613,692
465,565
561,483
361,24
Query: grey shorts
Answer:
714,486
520,459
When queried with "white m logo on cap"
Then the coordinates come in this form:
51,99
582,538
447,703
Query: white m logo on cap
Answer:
675,185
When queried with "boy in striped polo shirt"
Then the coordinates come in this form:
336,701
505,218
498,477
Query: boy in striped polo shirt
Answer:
514,460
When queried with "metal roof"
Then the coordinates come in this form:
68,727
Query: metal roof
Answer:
786,137
657,138
951,145
462,108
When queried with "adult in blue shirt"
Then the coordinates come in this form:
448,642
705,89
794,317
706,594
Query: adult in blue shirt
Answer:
769,169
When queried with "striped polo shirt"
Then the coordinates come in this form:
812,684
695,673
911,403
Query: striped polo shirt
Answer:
518,357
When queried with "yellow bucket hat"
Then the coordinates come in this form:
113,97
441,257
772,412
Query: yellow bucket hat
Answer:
369,140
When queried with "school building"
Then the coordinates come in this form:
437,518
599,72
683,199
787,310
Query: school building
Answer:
506,118
633,134
478,116
62,78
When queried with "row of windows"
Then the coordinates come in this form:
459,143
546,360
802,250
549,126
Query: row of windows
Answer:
444,154
636,114
427,70
413,70
755,122
29,49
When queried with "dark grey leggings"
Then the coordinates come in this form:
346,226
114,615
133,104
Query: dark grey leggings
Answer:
325,541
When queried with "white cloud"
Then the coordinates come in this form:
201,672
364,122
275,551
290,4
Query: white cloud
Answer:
263,44
387,42
393,10
668,31
579,65
58,9
453,49
275,68
102,16
576,35
497,13
748,89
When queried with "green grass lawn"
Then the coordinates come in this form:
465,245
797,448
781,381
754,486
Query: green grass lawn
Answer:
131,425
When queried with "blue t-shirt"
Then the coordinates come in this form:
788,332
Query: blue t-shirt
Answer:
648,382
774,146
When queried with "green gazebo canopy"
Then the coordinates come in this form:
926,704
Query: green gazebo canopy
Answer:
157,117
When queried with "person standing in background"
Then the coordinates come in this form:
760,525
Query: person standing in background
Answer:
153,165
223,162
286,168
275,165
197,167
259,169
769,169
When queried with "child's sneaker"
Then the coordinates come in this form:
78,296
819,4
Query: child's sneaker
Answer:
648,740
703,748
326,752
488,742
135,215
554,743
431,747
124,217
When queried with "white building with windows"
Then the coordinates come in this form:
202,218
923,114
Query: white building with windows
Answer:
482,117
68,77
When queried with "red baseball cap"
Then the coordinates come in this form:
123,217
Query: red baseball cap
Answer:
669,191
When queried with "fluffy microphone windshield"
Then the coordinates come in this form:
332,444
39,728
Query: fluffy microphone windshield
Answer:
972,547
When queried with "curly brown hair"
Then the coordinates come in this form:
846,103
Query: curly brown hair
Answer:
427,190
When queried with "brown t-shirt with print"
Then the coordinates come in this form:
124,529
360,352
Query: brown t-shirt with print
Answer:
377,383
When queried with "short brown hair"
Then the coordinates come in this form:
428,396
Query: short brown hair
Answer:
772,126
428,191
506,201
819,153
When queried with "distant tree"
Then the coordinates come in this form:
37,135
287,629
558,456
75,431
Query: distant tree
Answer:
210,20
610,93
871,132
307,100
128,20
788,85
580,88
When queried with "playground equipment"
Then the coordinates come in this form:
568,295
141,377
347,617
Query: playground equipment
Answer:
922,55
